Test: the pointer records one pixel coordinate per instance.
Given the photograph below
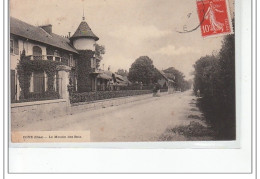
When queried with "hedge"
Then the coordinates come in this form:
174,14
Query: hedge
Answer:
33,96
101,95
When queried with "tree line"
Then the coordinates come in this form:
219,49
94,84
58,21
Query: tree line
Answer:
143,70
214,81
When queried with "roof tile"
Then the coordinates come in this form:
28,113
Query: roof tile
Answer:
20,28
84,31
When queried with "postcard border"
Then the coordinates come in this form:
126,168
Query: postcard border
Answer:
8,107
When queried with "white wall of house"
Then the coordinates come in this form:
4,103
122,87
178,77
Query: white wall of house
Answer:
84,44
28,47
14,59
162,81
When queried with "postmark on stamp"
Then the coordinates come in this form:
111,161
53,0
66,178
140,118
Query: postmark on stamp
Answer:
214,17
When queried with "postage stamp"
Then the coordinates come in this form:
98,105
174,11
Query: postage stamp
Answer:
214,17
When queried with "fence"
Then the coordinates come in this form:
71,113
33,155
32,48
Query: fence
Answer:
39,89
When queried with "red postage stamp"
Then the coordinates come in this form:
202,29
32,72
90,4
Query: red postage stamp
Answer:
214,17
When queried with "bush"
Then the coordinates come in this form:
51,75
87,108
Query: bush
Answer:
101,95
33,96
137,86
215,79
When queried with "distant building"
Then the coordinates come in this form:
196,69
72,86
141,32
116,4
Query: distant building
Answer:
107,80
165,82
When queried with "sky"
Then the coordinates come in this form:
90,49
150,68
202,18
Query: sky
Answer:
129,28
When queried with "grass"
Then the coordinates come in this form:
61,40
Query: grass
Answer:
194,131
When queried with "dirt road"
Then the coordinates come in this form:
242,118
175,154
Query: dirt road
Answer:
145,120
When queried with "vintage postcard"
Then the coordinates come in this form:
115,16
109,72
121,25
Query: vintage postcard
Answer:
86,71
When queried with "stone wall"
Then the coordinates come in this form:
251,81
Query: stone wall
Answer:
31,112
36,111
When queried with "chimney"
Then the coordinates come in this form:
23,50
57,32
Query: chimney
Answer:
69,34
47,28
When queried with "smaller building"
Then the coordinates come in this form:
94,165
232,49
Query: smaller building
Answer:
165,82
107,80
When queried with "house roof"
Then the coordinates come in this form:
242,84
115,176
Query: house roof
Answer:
23,29
104,76
109,75
84,31
163,74
169,75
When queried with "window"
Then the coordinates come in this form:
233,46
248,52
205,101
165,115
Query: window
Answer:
14,49
57,55
50,53
37,53
71,61
11,46
93,63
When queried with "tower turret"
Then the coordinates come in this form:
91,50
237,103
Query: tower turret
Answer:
84,41
84,38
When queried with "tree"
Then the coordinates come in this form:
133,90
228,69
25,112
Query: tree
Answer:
178,77
214,76
206,75
99,51
122,72
143,70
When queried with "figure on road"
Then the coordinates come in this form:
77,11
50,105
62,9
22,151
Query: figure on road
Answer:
156,90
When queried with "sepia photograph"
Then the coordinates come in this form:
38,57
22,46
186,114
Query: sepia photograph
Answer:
122,71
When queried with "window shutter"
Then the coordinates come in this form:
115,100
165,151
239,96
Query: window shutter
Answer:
95,63
91,63
16,47
11,46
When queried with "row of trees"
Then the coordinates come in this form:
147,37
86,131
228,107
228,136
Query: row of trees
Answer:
143,70
215,81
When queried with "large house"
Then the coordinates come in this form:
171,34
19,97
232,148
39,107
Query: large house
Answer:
40,43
